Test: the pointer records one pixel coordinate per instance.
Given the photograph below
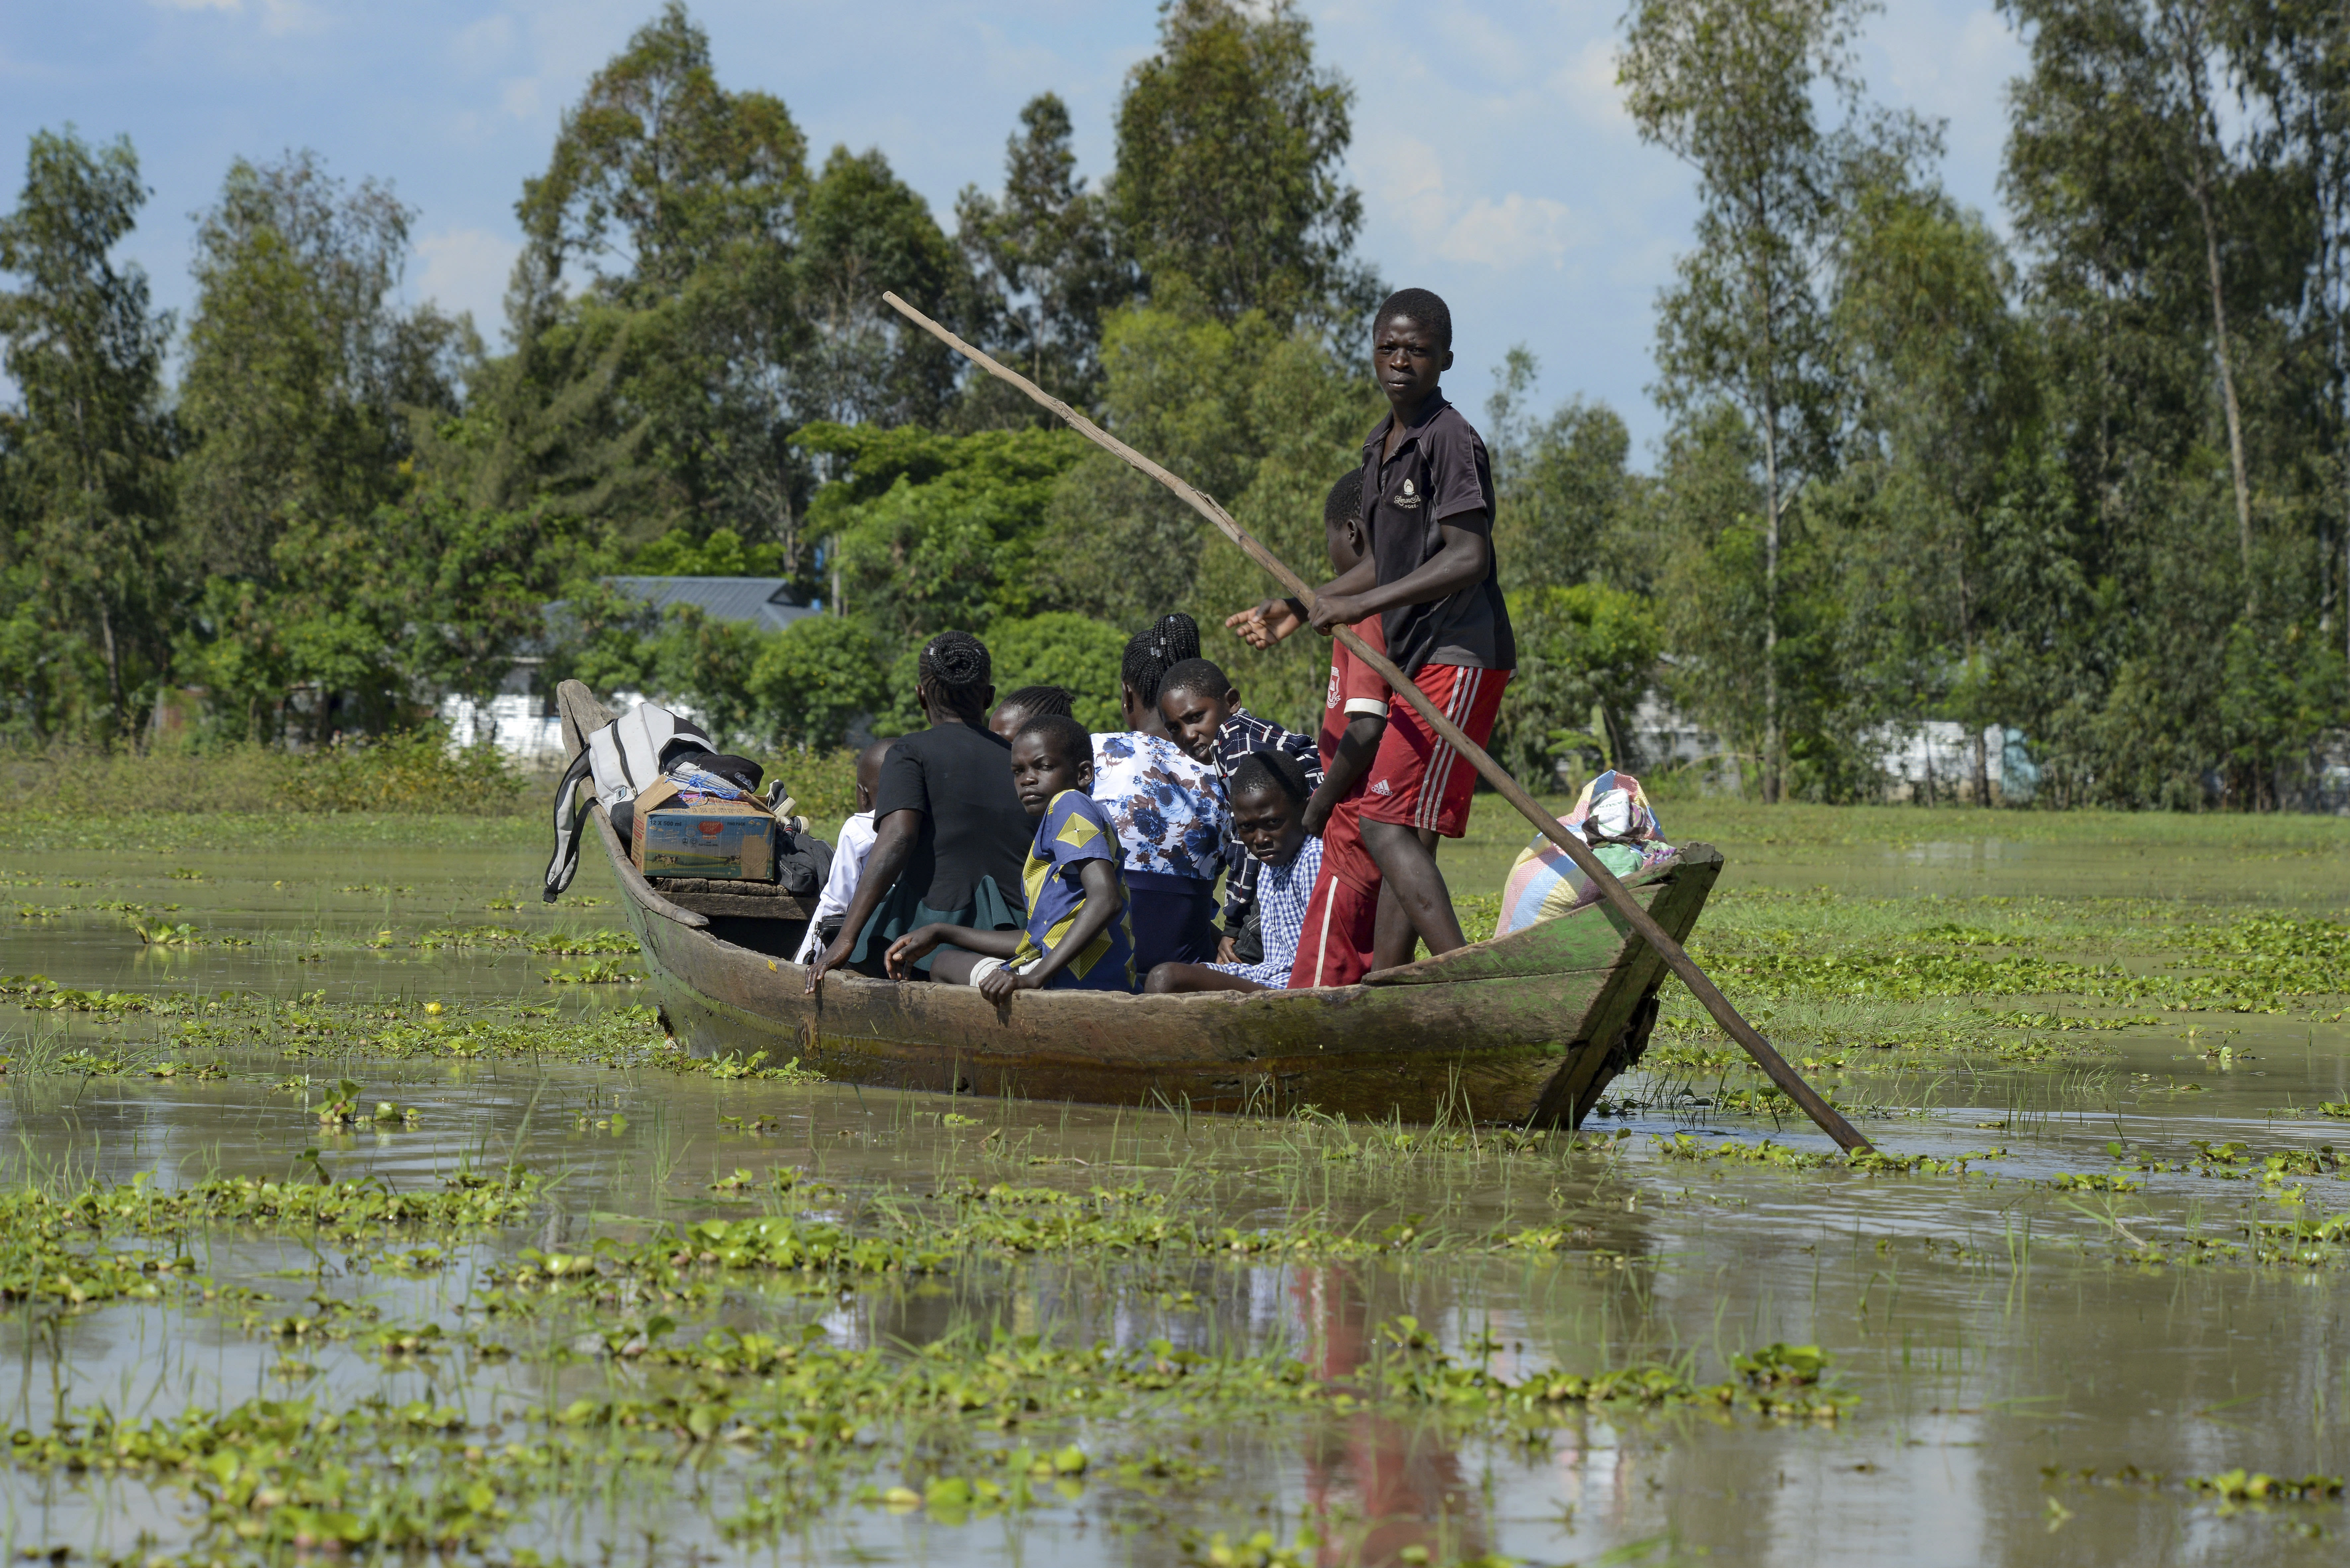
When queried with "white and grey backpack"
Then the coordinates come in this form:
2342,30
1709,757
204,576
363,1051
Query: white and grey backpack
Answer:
623,758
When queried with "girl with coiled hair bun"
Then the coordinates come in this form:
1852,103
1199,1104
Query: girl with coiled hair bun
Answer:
951,835
1168,809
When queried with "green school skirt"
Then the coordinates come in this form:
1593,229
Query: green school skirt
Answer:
902,911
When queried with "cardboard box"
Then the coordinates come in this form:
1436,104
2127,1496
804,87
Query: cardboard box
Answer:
727,839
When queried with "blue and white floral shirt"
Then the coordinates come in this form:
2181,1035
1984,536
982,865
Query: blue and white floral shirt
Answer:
1168,809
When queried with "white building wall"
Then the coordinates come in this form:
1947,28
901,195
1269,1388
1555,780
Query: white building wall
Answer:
510,721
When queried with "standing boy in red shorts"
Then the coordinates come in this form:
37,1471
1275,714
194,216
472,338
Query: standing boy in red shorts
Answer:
1350,929
1429,575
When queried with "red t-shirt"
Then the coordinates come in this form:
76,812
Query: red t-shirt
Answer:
1353,689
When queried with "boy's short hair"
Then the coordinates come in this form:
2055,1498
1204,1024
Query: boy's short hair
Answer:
1068,738
1345,502
1037,701
1202,675
1419,304
1269,769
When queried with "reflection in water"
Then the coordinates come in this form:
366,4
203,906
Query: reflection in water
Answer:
1404,1484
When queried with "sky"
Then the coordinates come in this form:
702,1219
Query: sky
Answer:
1496,162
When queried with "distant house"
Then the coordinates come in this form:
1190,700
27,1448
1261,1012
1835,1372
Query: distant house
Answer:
521,718
766,600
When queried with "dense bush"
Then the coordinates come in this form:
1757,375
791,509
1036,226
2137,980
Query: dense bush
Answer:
415,772
1060,648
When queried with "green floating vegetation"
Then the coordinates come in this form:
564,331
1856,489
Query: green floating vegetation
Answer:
569,944
2114,953
688,1261
284,1474
1868,1162
340,1209
60,1249
2257,1486
595,972
2233,1488
951,1420
40,993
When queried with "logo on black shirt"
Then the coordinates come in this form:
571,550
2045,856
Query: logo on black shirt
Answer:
1407,498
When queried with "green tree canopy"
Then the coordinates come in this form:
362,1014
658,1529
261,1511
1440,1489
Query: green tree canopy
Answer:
660,172
1045,252
937,531
87,499
1731,87
1062,649
1229,188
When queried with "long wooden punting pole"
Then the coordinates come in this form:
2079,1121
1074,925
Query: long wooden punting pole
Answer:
1830,1120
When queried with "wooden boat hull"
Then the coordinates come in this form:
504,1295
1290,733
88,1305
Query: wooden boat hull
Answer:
1527,1029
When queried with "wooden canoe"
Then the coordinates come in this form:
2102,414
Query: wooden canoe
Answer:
1527,1029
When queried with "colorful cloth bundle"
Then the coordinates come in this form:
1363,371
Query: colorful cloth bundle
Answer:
1613,815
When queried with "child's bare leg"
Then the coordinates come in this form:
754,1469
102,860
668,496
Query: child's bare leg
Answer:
1407,862
1392,935
951,966
1172,976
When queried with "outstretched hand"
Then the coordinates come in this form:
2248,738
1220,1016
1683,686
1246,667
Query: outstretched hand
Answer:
1261,625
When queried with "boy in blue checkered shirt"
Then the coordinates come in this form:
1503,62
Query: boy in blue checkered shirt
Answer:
1204,716
1267,793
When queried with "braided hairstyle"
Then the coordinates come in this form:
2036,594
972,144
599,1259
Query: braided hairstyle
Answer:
1065,739
955,667
1270,769
1150,655
1421,306
1037,701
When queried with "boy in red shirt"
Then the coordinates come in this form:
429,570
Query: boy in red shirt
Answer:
1429,576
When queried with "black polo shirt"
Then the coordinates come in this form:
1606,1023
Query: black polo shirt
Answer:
1440,474
959,777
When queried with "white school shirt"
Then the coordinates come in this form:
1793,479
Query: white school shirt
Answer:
857,835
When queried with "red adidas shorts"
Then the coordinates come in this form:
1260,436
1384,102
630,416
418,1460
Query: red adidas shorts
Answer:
1342,914
1419,780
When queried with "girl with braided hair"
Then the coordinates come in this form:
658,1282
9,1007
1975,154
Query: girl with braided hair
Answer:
1150,655
950,837
1168,809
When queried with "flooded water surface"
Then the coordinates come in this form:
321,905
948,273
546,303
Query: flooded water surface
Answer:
355,1209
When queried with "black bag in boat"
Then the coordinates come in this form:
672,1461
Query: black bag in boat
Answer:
1248,943
802,861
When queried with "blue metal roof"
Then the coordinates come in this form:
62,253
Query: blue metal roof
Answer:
766,601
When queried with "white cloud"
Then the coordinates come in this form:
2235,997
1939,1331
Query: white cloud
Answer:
466,270
1407,182
1586,84
1407,179
484,41
1513,231
277,15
